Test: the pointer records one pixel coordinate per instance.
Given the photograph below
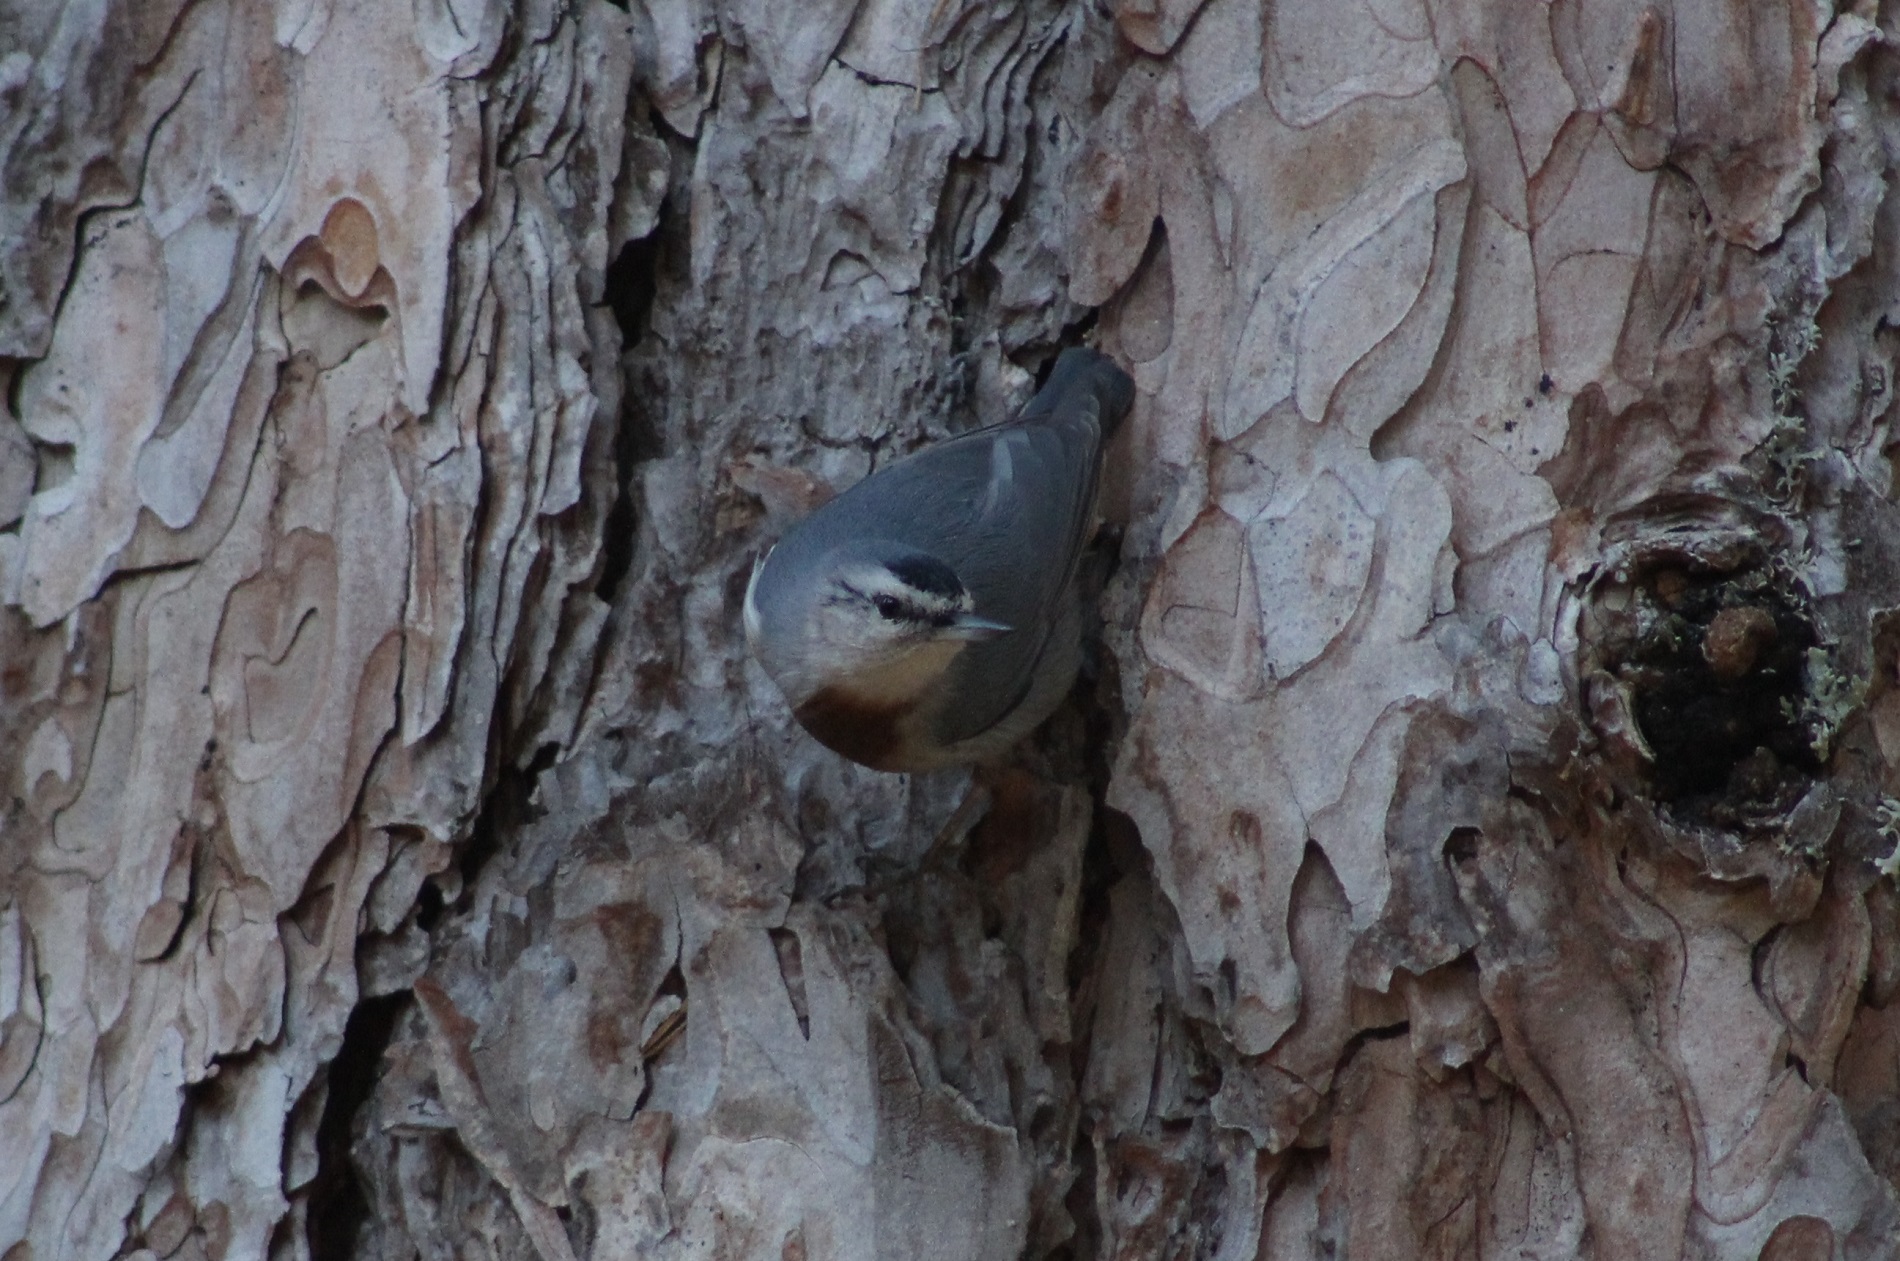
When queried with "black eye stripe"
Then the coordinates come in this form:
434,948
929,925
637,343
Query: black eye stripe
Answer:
891,606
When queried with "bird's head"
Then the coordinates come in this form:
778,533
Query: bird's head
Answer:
875,622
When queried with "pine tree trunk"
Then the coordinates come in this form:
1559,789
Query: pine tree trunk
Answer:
1475,833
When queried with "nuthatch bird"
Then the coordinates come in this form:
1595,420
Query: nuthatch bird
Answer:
928,616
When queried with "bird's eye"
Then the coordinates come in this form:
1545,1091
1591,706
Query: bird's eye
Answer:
888,606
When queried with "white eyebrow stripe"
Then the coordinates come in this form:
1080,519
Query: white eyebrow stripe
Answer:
1002,471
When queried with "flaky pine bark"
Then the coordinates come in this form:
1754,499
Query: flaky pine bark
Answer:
1475,834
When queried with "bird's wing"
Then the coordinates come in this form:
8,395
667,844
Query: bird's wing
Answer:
1022,517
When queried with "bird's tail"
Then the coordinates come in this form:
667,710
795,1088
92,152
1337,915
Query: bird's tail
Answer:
1083,373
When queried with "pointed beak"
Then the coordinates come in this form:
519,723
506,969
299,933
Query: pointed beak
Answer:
970,626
